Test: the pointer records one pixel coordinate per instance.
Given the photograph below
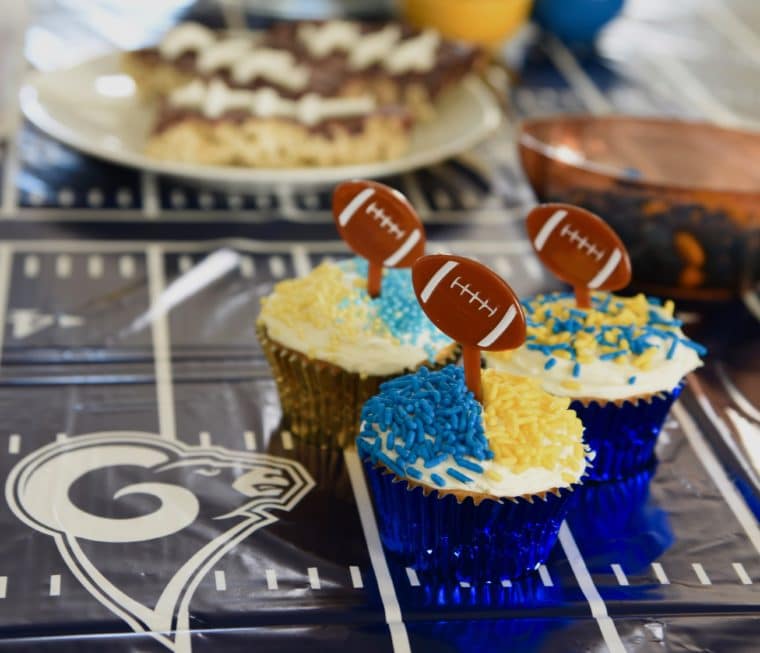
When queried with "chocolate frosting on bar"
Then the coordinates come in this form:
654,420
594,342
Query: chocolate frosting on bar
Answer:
332,74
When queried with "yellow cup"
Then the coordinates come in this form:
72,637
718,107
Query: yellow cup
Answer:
485,22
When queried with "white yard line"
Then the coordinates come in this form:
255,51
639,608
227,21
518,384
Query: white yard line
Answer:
356,577
14,444
301,262
314,581
723,429
662,577
700,573
249,437
585,582
718,15
580,82
399,637
744,404
283,247
151,206
695,92
6,268
415,195
620,576
55,585
546,578
741,572
706,456
9,207
161,344
220,580
233,14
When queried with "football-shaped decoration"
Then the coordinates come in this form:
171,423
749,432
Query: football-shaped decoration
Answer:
469,302
378,223
579,247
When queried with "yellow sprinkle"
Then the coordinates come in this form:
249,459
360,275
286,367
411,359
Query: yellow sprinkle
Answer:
492,474
520,418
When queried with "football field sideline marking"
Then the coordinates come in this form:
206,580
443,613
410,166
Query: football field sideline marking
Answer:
593,598
6,269
399,636
718,475
161,344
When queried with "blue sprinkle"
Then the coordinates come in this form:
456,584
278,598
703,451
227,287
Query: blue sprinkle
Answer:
468,464
437,460
414,472
612,355
631,380
693,345
458,475
577,370
439,481
433,417
672,349
550,363
390,464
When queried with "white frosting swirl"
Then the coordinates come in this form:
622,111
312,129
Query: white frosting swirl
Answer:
610,379
511,484
601,379
363,351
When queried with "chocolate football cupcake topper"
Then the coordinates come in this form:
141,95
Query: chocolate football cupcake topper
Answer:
378,223
579,248
472,305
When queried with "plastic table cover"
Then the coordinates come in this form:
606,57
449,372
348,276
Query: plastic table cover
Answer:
138,410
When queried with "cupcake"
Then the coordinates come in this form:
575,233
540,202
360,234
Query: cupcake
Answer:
464,490
330,344
621,362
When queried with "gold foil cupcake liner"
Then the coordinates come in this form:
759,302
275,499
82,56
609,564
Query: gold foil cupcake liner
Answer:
322,402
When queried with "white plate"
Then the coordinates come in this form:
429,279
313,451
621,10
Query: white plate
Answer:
93,107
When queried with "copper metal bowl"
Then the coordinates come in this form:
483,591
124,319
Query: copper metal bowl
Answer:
683,196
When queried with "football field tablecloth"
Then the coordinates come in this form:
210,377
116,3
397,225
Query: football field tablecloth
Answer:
127,304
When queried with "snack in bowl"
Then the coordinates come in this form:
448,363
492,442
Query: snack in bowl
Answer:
621,360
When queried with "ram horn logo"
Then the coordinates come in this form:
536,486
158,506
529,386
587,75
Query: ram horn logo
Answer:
98,495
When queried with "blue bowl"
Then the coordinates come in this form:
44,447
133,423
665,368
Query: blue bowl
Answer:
575,21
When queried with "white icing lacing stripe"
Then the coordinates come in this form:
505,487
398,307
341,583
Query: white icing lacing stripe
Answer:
351,208
186,37
216,98
549,226
607,270
384,46
278,66
500,328
402,251
436,279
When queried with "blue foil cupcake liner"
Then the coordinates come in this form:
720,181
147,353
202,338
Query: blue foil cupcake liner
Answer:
446,539
635,530
623,435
